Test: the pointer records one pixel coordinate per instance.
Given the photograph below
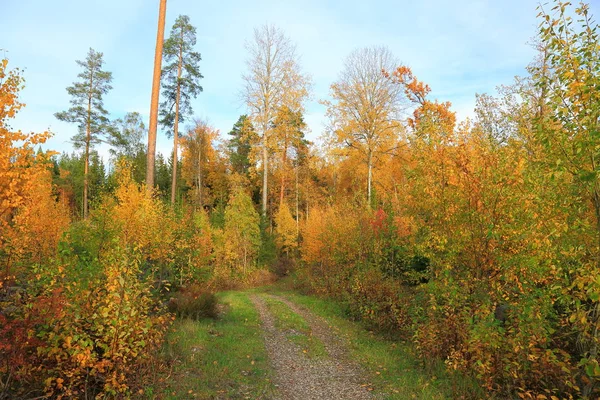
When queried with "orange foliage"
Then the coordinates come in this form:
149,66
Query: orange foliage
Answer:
31,221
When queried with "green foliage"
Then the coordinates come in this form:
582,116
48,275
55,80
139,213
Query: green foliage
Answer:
93,85
68,178
239,145
242,231
217,217
180,43
268,248
163,174
126,139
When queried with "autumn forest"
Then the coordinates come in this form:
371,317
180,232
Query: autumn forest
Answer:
471,246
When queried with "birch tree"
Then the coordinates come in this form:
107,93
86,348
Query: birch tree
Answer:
274,79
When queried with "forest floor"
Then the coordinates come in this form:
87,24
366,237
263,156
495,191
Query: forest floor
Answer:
274,344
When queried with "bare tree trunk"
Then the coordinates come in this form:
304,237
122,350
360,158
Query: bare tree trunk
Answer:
369,178
297,203
152,127
88,139
265,160
306,210
594,311
86,170
283,162
199,172
176,124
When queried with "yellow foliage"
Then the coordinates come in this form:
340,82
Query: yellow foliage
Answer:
146,224
40,221
285,227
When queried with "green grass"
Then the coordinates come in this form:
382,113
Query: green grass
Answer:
295,328
393,367
226,358
223,358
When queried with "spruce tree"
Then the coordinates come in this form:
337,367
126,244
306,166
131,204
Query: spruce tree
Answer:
239,145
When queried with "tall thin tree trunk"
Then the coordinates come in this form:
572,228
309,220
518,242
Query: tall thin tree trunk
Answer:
199,172
297,202
306,218
152,127
86,170
283,162
369,178
265,159
88,140
176,124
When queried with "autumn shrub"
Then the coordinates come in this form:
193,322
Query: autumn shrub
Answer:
331,248
108,328
283,266
381,302
192,248
21,315
144,222
259,277
239,249
87,319
104,318
32,222
194,302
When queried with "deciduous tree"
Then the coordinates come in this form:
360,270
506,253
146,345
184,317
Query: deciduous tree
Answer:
365,109
273,80
126,141
241,231
198,151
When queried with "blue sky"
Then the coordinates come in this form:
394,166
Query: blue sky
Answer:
459,48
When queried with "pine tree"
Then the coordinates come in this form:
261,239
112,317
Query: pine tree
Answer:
151,153
87,110
180,82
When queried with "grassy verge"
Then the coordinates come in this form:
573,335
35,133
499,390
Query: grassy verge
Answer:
392,364
295,328
219,359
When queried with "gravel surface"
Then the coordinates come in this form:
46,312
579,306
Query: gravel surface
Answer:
300,377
